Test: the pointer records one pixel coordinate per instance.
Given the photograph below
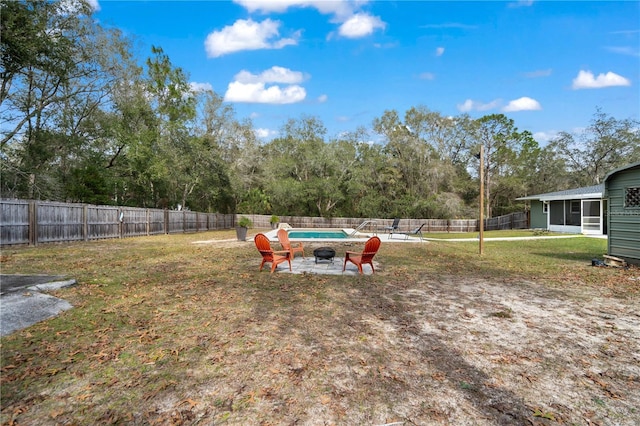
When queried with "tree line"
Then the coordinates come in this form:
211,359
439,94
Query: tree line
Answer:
83,122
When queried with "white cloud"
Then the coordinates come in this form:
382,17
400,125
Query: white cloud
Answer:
253,88
259,93
522,3
274,74
200,87
389,45
455,25
586,80
427,76
439,51
360,25
265,133
625,32
471,105
624,50
522,104
323,98
354,23
538,73
247,35
545,137
337,7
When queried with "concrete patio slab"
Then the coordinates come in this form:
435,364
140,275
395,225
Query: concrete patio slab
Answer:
24,304
308,265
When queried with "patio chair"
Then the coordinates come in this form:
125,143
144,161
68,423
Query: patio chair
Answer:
366,257
283,237
416,231
394,227
268,255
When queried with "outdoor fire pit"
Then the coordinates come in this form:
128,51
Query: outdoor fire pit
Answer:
324,253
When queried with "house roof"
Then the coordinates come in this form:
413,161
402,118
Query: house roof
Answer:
594,191
613,172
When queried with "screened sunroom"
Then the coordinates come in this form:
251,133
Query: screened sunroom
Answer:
576,211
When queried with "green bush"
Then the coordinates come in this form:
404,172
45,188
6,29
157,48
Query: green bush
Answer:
245,222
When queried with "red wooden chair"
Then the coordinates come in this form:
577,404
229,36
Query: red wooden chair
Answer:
366,257
283,237
268,255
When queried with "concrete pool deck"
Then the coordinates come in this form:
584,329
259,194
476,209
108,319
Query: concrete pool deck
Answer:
359,237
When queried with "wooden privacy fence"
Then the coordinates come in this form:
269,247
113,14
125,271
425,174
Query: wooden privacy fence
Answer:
35,222
518,220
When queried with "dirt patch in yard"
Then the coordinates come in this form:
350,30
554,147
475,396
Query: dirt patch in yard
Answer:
445,351
516,353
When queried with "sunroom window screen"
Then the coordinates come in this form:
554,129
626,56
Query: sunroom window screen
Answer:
632,197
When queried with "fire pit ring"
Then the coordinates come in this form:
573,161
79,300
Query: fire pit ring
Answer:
324,253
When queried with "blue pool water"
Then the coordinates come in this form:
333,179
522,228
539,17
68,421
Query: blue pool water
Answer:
317,234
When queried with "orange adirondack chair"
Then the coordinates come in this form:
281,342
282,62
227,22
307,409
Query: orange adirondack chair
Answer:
366,257
283,237
268,255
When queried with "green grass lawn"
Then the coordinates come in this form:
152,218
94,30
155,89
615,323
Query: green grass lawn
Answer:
156,318
492,234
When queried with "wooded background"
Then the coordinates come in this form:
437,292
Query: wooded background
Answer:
84,122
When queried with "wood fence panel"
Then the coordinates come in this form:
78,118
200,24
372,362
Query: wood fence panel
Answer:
14,222
437,225
190,221
504,222
134,222
521,220
473,225
201,222
176,221
102,222
58,222
457,225
216,221
229,221
156,222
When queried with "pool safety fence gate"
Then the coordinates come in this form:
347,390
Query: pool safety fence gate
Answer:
36,222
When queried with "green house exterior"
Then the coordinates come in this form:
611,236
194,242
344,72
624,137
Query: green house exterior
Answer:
538,215
622,190
576,211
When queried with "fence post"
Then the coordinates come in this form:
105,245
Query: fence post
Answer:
166,221
33,224
85,224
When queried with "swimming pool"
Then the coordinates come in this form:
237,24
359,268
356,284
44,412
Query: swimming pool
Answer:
320,234
317,233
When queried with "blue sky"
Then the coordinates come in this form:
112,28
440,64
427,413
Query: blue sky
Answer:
546,64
